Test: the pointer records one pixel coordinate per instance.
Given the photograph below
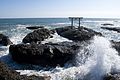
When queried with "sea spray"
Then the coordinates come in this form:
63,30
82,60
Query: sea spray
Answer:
103,59
106,58
93,61
97,60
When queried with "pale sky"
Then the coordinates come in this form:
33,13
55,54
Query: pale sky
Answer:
59,8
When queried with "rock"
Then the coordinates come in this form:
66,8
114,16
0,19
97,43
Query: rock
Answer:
116,45
50,54
9,74
4,40
112,28
63,29
112,77
37,36
77,34
34,27
107,24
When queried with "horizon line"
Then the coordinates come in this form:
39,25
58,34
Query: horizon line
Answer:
56,17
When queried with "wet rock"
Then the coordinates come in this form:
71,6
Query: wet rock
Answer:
77,34
116,45
34,27
50,54
9,74
112,77
4,40
112,28
107,24
63,29
37,35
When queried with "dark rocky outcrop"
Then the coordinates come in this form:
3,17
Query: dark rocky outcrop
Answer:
112,77
9,74
4,40
34,27
77,34
50,54
107,24
116,45
112,28
37,35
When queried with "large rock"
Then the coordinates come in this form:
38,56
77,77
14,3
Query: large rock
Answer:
9,74
112,28
76,34
37,35
44,54
4,40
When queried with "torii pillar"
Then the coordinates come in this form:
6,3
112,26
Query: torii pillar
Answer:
75,18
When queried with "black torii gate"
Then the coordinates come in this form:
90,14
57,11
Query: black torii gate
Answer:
75,18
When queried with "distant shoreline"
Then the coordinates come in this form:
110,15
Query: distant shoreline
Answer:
34,18
58,18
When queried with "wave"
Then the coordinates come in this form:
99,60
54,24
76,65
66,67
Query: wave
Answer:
91,63
103,59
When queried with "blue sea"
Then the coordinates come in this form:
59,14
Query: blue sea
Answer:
104,58
17,26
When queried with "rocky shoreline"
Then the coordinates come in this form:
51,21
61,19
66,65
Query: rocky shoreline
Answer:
50,54
32,51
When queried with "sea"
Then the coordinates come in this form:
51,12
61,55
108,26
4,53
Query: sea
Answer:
103,59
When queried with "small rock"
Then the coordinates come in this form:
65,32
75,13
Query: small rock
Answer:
112,28
4,40
34,27
116,45
112,77
107,24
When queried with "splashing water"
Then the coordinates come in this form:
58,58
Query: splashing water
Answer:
98,59
92,63
104,59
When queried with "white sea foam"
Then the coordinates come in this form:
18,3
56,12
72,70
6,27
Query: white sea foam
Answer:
65,23
19,33
22,26
92,63
102,21
102,59
55,39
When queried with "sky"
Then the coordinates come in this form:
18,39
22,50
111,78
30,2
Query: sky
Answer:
59,8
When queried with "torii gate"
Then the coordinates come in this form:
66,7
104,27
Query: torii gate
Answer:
75,18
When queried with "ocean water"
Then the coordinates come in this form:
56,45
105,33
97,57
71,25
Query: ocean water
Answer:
102,60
